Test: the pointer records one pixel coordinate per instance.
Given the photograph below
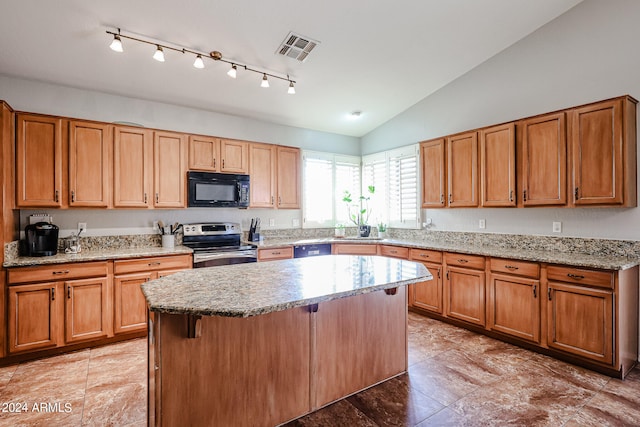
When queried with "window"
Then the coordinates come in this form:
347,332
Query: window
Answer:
325,178
395,176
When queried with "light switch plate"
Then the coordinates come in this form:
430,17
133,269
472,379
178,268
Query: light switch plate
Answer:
272,222
557,227
296,222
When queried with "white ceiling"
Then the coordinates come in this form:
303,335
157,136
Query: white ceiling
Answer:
379,57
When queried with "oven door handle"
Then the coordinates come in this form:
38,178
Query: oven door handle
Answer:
206,257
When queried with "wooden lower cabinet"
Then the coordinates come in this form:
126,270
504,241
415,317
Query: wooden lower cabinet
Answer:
33,316
580,321
428,295
273,254
86,309
514,306
354,249
465,293
130,306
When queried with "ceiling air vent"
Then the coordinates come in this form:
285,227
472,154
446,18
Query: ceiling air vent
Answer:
297,46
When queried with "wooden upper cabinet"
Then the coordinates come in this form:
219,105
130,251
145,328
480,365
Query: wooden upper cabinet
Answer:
434,183
132,167
288,178
544,160
90,146
234,156
204,153
462,170
498,165
38,161
262,170
170,170
601,167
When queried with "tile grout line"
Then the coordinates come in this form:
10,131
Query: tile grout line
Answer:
86,382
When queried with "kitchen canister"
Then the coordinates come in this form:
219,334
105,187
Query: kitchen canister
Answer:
168,241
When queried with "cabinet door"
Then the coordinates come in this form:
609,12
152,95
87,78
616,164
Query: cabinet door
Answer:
38,161
428,295
498,165
33,319
544,158
462,170
433,173
132,167
234,156
86,309
170,170
596,151
203,153
514,306
130,304
466,295
354,249
89,164
580,321
288,178
262,164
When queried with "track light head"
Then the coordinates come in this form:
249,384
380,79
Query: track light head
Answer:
116,44
265,81
159,54
233,71
198,63
292,89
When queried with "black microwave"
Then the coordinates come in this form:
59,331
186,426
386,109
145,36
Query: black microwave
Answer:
217,190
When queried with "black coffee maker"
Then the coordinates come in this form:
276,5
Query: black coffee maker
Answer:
41,239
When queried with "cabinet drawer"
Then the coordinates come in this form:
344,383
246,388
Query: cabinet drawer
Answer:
603,279
520,268
153,264
394,251
57,272
275,253
463,260
355,249
426,255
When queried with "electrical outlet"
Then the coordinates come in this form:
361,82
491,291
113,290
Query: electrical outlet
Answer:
155,226
272,222
482,224
82,227
557,227
429,221
295,222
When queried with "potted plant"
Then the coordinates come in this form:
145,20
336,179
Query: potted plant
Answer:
362,212
382,230
340,230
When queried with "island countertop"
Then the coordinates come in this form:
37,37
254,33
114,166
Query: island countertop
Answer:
251,289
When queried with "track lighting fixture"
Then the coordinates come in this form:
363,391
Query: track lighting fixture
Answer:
159,54
233,71
116,45
198,63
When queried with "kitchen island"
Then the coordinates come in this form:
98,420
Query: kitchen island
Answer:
261,344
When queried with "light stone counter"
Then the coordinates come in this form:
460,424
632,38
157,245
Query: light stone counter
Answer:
245,290
96,255
576,259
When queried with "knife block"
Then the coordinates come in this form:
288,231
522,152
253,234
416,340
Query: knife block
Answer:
254,237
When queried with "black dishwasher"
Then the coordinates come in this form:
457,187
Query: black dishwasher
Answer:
303,251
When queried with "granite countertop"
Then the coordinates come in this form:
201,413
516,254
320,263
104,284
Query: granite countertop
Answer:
552,257
96,255
245,290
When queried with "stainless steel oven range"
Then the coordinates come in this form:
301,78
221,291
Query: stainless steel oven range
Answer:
218,243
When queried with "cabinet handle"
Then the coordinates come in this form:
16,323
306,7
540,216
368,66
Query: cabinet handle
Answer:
145,198
53,294
73,196
272,200
575,193
147,279
393,252
450,198
511,267
442,198
511,196
424,255
549,293
463,261
524,195
157,198
575,276
68,292
222,163
275,253
214,162
153,263
61,272
438,273
279,200
535,289
57,196
447,274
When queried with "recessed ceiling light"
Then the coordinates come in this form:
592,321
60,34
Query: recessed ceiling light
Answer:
355,115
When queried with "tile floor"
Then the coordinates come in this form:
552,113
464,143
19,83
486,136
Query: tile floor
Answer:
456,378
